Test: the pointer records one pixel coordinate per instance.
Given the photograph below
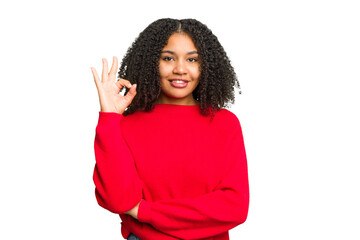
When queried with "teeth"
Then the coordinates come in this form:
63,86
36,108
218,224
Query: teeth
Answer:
178,81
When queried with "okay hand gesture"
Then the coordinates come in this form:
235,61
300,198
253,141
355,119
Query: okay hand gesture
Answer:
109,89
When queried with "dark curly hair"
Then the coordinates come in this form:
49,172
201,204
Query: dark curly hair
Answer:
140,65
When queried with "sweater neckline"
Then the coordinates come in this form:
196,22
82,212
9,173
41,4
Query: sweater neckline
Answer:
176,108
174,105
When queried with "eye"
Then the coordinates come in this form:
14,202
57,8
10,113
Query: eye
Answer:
167,58
192,59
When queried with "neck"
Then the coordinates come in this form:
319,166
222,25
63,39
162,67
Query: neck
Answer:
179,101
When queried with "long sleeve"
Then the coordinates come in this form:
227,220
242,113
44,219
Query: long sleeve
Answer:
118,187
210,214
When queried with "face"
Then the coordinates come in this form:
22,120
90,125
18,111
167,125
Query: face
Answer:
179,68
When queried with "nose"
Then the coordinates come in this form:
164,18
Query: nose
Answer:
180,67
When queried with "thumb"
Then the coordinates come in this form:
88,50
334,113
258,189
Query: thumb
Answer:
131,93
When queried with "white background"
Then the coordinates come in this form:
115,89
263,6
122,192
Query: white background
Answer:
298,67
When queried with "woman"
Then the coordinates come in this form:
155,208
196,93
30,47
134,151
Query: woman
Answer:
169,158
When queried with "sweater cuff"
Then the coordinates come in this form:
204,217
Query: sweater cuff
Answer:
144,212
109,118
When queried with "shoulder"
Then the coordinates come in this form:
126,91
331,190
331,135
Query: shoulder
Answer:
226,119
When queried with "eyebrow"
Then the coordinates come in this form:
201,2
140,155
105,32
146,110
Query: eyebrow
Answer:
173,53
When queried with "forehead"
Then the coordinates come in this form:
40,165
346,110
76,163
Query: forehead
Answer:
179,43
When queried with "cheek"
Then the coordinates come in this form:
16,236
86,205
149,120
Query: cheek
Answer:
164,70
195,71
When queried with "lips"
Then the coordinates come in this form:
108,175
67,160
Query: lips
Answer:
178,83
179,80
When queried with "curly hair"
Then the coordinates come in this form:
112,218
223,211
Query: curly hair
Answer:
140,65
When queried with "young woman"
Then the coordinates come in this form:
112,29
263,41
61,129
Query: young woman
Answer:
170,159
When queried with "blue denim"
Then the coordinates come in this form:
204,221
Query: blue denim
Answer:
133,237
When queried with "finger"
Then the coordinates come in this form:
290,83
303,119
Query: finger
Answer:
113,69
119,85
96,76
124,82
105,69
131,94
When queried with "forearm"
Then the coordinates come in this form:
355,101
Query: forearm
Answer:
196,218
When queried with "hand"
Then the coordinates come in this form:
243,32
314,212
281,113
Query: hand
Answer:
109,89
134,211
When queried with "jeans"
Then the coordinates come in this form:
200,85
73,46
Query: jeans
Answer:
133,237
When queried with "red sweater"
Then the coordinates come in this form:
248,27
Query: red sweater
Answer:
189,173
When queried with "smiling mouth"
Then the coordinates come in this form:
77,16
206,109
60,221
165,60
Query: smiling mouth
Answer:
179,81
